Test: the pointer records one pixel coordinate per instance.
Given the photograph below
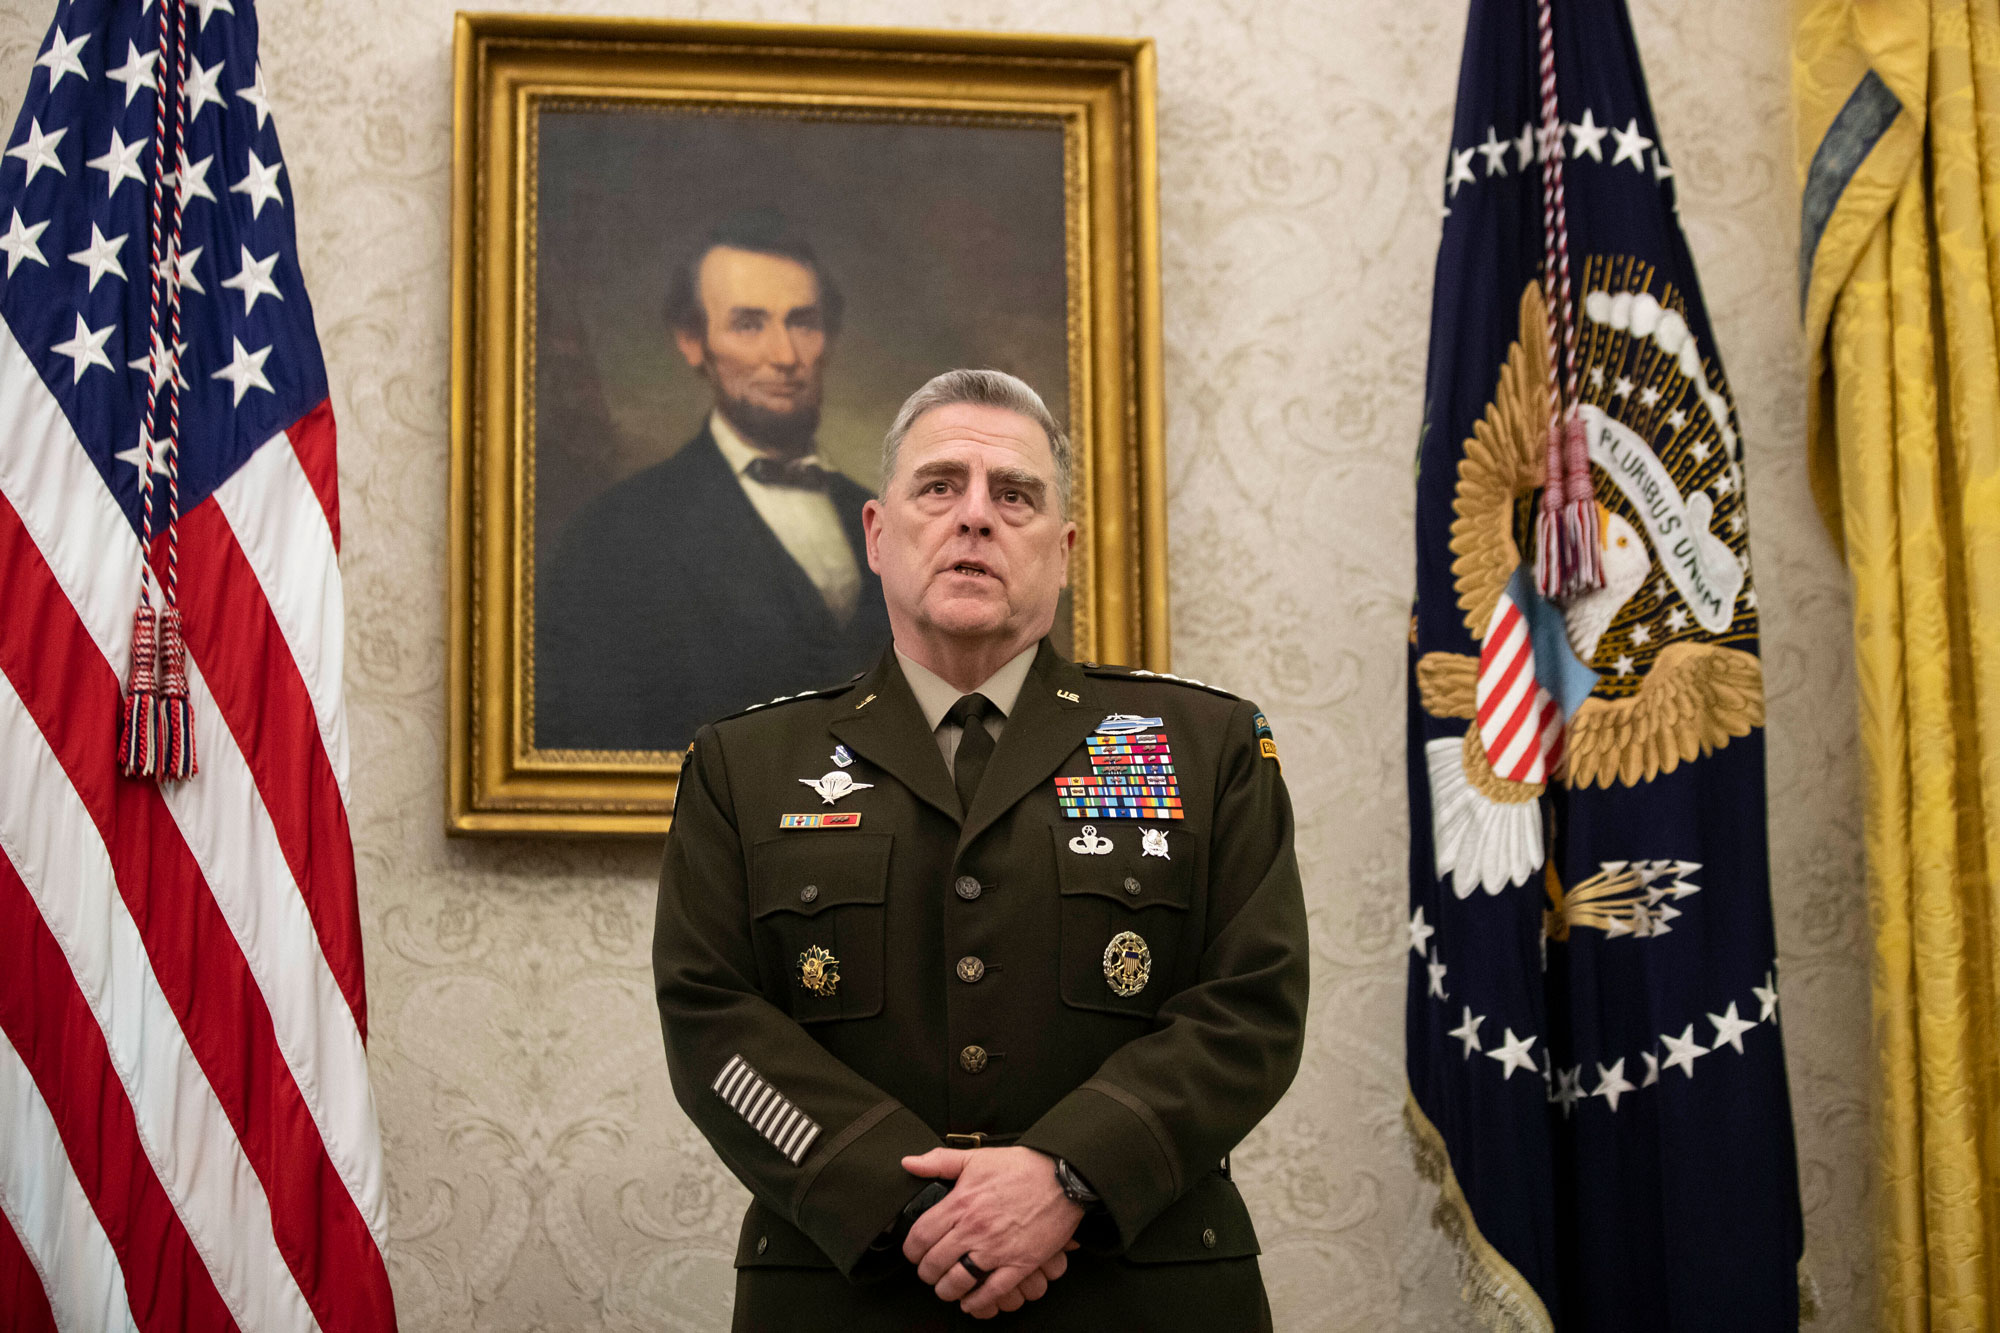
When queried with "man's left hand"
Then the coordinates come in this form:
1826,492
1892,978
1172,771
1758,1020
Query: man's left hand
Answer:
1006,1213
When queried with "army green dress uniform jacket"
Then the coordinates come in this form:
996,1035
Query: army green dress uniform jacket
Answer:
834,998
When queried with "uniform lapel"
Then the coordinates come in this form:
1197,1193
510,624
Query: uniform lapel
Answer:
886,728
1049,721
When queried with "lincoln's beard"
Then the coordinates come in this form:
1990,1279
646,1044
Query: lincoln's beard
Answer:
787,434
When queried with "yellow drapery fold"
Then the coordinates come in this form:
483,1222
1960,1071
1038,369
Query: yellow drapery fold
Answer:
1898,106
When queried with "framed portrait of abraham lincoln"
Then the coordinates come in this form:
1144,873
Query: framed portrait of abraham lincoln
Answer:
695,270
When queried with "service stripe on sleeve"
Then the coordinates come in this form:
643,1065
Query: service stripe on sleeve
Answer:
768,1111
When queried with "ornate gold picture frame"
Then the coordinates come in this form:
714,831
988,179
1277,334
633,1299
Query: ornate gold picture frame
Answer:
978,199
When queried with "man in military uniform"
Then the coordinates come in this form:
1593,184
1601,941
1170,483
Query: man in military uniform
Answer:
984,961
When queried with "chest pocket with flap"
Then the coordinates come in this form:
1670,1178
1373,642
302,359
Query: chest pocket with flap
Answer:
821,907
1106,897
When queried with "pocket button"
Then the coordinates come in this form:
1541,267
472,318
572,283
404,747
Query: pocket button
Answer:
808,893
967,887
1132,886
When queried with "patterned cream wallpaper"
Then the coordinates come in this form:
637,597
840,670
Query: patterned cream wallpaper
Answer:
541,1176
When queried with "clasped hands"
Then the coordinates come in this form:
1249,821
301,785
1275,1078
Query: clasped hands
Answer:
1006,1213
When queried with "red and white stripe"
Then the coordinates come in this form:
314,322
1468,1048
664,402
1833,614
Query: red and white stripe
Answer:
1520,725
189,1133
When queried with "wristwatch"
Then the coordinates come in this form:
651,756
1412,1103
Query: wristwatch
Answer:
1075,1188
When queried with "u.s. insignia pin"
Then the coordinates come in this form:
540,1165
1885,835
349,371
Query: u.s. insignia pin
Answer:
819,971
1128,964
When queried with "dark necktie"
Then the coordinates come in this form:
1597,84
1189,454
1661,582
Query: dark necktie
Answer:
975,745
799,473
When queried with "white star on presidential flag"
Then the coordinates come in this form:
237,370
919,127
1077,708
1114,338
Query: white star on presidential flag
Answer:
1512,1053
101,256
119,163
60,58
1495,150
1468,1031
1652,1059
202,86
260,183
1729,1029
1677,418
187,278
1524,146
1612,1083
1683,1050
136,72
1569,1088
1589,137
254,279
1621,388
86,348
1420,934
208,8
257,95
1549,141
1632,146
1648,396
1660,168
38,150
1677,620
1767,999
22,242
156,365
1623,666
1437,970
245,371
1461,171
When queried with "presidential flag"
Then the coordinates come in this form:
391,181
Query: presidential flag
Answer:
1597,1080
187,1135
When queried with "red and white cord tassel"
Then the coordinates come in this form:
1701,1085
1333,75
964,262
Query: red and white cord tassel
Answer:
1567,537
156,735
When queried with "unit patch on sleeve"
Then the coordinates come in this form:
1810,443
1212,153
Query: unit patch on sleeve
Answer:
1131,775
1265,744
769,1112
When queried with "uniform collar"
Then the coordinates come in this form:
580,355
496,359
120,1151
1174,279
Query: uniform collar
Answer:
1053,712
936,695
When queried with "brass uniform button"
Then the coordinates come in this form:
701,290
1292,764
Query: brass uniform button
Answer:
1208,1238
1132,886
763,1244
971,969
808,893
967,887
972,1059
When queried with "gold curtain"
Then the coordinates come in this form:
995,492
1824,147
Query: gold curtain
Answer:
1898,111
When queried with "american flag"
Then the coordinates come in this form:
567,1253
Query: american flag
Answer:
187,1134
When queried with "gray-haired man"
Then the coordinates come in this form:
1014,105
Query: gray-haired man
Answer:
988,955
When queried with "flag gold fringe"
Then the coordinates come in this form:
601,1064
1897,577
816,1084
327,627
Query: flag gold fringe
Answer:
1499,1296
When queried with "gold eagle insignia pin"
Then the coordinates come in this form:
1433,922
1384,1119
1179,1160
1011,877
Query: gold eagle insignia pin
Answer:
819,971
1128,964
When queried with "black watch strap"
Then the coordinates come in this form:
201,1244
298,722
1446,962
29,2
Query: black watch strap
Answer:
1074,1187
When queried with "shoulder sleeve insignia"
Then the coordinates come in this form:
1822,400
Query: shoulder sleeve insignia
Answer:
1265,744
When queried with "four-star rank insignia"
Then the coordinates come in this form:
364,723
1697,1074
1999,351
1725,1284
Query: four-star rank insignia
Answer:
1128,964
819,971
